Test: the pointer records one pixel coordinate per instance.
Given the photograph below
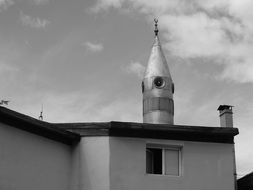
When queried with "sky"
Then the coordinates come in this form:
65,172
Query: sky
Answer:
84,60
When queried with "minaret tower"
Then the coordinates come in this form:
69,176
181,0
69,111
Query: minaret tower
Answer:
157,87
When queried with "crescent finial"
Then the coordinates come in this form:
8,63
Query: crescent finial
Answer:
156,28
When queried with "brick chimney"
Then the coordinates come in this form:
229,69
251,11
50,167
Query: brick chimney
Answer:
226,115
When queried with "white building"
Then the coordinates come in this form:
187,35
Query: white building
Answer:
154,155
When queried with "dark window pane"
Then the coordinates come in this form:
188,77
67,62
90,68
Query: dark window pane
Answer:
149,161
154,160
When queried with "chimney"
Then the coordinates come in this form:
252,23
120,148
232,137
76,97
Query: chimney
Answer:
226,115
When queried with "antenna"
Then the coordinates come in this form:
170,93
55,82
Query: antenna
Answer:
41,113
4,102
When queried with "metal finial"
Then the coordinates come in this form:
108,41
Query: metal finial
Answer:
156,29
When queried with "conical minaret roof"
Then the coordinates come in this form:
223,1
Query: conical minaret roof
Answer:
157,64
157,87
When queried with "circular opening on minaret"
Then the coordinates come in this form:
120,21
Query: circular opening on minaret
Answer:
159,82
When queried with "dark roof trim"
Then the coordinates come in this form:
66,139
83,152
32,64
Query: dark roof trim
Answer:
38,127
157,131
70,133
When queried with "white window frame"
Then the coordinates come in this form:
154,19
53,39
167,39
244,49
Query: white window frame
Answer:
164,148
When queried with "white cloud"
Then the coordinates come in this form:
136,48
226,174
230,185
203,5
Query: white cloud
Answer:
221,29
93,47
135,68
105,4
41,2
77,106
188,35
6,68
33,22
4,4
9,74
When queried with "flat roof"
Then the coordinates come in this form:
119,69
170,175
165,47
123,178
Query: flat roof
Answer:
70,133
156,131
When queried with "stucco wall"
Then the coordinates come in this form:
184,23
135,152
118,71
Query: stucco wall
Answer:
94,163
205,166
32,162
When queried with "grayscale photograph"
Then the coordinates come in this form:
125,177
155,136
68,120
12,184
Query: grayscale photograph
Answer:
126,95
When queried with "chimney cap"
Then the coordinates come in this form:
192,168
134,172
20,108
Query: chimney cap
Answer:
224,107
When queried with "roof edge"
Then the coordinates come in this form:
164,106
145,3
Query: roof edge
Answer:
158,131
70,133
35,126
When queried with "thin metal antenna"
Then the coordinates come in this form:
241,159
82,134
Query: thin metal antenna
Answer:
41,113
4,102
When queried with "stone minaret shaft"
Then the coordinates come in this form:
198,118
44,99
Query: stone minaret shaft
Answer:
157,87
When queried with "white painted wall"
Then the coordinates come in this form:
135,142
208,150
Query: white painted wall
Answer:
206,166
94,163
29,162
32,162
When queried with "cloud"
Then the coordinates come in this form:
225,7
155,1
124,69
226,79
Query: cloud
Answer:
41,2
8,74
106,4
93,47
220,29
33,22
6,68
135,68
77,106
4,4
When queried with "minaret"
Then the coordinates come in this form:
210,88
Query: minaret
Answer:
157,87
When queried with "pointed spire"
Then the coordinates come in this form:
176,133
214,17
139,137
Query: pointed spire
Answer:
157,64
157,87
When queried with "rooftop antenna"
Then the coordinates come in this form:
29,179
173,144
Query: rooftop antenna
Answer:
41,113
4,102
156,28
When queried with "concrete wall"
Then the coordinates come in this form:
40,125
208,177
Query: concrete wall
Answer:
29,162
32,162
94,163
205,166
120,163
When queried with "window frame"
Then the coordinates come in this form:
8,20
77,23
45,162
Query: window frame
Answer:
164,148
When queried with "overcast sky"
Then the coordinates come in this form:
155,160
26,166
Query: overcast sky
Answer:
84,60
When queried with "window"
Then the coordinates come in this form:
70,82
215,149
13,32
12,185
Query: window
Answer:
159,82
163,160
